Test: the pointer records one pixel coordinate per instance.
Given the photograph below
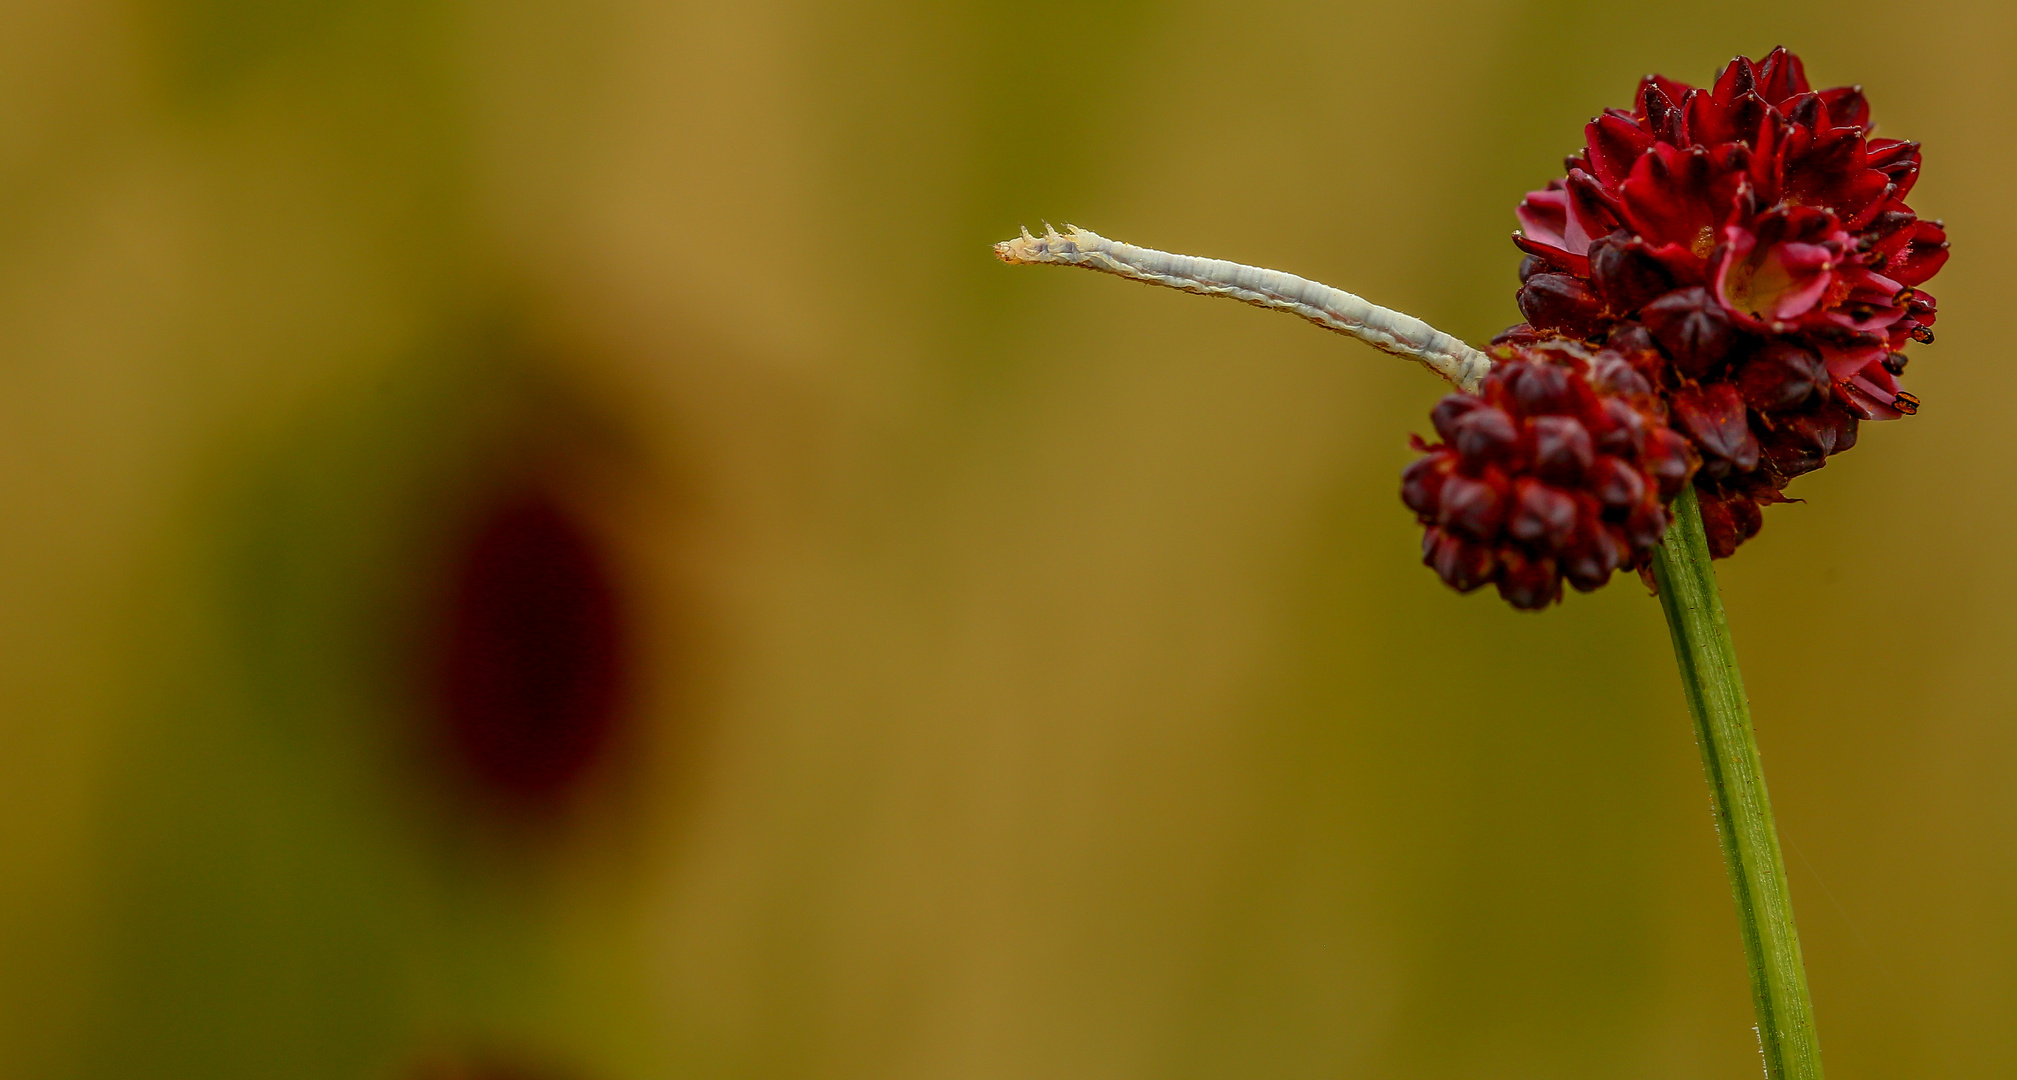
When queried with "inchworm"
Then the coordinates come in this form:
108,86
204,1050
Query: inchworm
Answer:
1333,309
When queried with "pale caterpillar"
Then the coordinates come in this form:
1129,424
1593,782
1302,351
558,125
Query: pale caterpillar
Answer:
1333,309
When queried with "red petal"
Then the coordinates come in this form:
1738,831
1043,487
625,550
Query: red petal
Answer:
1923,257
1737,79
1885,153
1677,197
1847,107
1705,119
1806,110
1592,212
1615,143
1544,216
1556,258
1781,76
1768,163
1663,116
1888,232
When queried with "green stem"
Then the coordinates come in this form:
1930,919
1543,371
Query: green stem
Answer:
1737,783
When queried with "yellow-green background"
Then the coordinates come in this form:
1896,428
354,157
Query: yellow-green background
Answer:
1039,678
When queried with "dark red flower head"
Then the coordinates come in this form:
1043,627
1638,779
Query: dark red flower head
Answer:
1560,467
1756,238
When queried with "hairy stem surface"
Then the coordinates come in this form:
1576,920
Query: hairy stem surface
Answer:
1715,693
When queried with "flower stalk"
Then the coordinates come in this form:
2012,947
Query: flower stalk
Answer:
1750,840
1680,564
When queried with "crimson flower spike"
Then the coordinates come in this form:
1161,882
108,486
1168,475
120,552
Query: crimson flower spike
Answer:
1717,294
1752,241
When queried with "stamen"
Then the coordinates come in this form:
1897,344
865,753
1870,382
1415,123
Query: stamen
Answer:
1333,309
1860,386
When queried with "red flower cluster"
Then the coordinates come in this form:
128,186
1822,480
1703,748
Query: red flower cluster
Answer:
1559,467
1754,239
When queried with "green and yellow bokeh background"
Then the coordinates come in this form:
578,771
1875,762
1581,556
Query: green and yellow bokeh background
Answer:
1037,679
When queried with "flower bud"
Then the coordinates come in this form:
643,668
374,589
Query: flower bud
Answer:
1471,507
1669,459
1543,517
1529,512
1692,329
1483,435
1563,449
1728,518
1781,376
1627,273
1561,304
1615,483
1422,482
1463,564
1714,417
1444,415
1527,581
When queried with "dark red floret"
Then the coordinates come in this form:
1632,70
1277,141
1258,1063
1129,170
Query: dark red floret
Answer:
1715,418
1692,329
1781,377
1558,469
1747,246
